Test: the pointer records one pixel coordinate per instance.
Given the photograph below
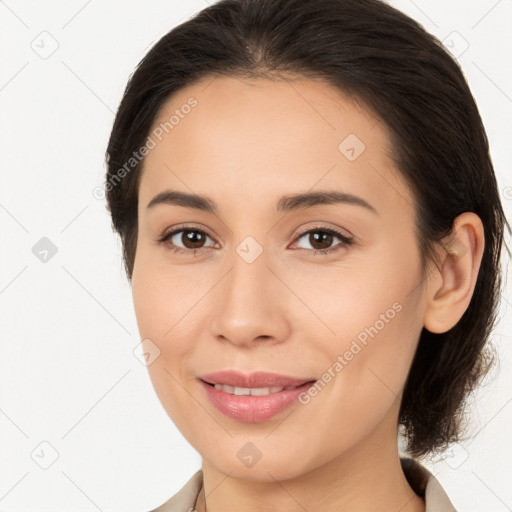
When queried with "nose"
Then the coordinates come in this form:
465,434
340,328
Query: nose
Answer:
250,304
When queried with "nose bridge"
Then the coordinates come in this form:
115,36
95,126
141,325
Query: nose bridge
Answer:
247,305
249,273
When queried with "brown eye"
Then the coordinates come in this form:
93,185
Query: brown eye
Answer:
321,240
186,239
192,239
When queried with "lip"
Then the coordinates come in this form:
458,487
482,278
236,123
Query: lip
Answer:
253,380
250,408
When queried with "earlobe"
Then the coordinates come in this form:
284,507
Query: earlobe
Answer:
451,285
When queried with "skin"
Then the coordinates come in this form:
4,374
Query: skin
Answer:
246,144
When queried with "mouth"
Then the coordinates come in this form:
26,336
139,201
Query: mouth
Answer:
238,383
239,391
253,397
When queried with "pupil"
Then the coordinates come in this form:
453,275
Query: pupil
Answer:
323,237
192,239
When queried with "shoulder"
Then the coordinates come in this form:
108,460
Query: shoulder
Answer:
426,485
184,500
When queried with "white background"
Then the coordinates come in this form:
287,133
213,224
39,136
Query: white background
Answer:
69,377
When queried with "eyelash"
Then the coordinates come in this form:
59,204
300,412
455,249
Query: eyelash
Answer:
346,241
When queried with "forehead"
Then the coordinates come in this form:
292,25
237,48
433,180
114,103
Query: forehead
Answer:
254,136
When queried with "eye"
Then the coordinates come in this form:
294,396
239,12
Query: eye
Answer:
186,239
321,238
189,239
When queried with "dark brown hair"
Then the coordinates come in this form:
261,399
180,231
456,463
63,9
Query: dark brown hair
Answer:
380,56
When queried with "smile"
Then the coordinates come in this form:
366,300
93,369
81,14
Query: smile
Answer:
251,391
253,398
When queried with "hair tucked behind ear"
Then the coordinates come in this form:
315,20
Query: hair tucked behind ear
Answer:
389,62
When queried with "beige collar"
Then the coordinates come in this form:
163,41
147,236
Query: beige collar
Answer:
191,495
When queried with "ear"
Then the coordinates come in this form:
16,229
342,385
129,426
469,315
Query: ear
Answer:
451,285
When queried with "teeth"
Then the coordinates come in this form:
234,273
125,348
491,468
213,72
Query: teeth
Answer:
250,391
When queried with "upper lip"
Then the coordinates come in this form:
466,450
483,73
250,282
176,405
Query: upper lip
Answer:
252,380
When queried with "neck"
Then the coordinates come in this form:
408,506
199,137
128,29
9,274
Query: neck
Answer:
366,477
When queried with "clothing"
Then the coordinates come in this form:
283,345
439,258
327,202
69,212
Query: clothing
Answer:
420,479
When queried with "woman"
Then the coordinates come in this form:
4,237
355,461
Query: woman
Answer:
312,229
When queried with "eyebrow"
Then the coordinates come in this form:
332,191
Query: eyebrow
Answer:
285,204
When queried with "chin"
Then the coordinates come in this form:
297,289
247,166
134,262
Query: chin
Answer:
256,459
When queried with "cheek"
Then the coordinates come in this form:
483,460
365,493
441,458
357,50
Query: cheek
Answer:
163,296
368,321
364,372
370,385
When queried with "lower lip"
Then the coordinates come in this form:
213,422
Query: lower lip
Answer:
253,409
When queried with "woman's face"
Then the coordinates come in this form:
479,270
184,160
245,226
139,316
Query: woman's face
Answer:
247,288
